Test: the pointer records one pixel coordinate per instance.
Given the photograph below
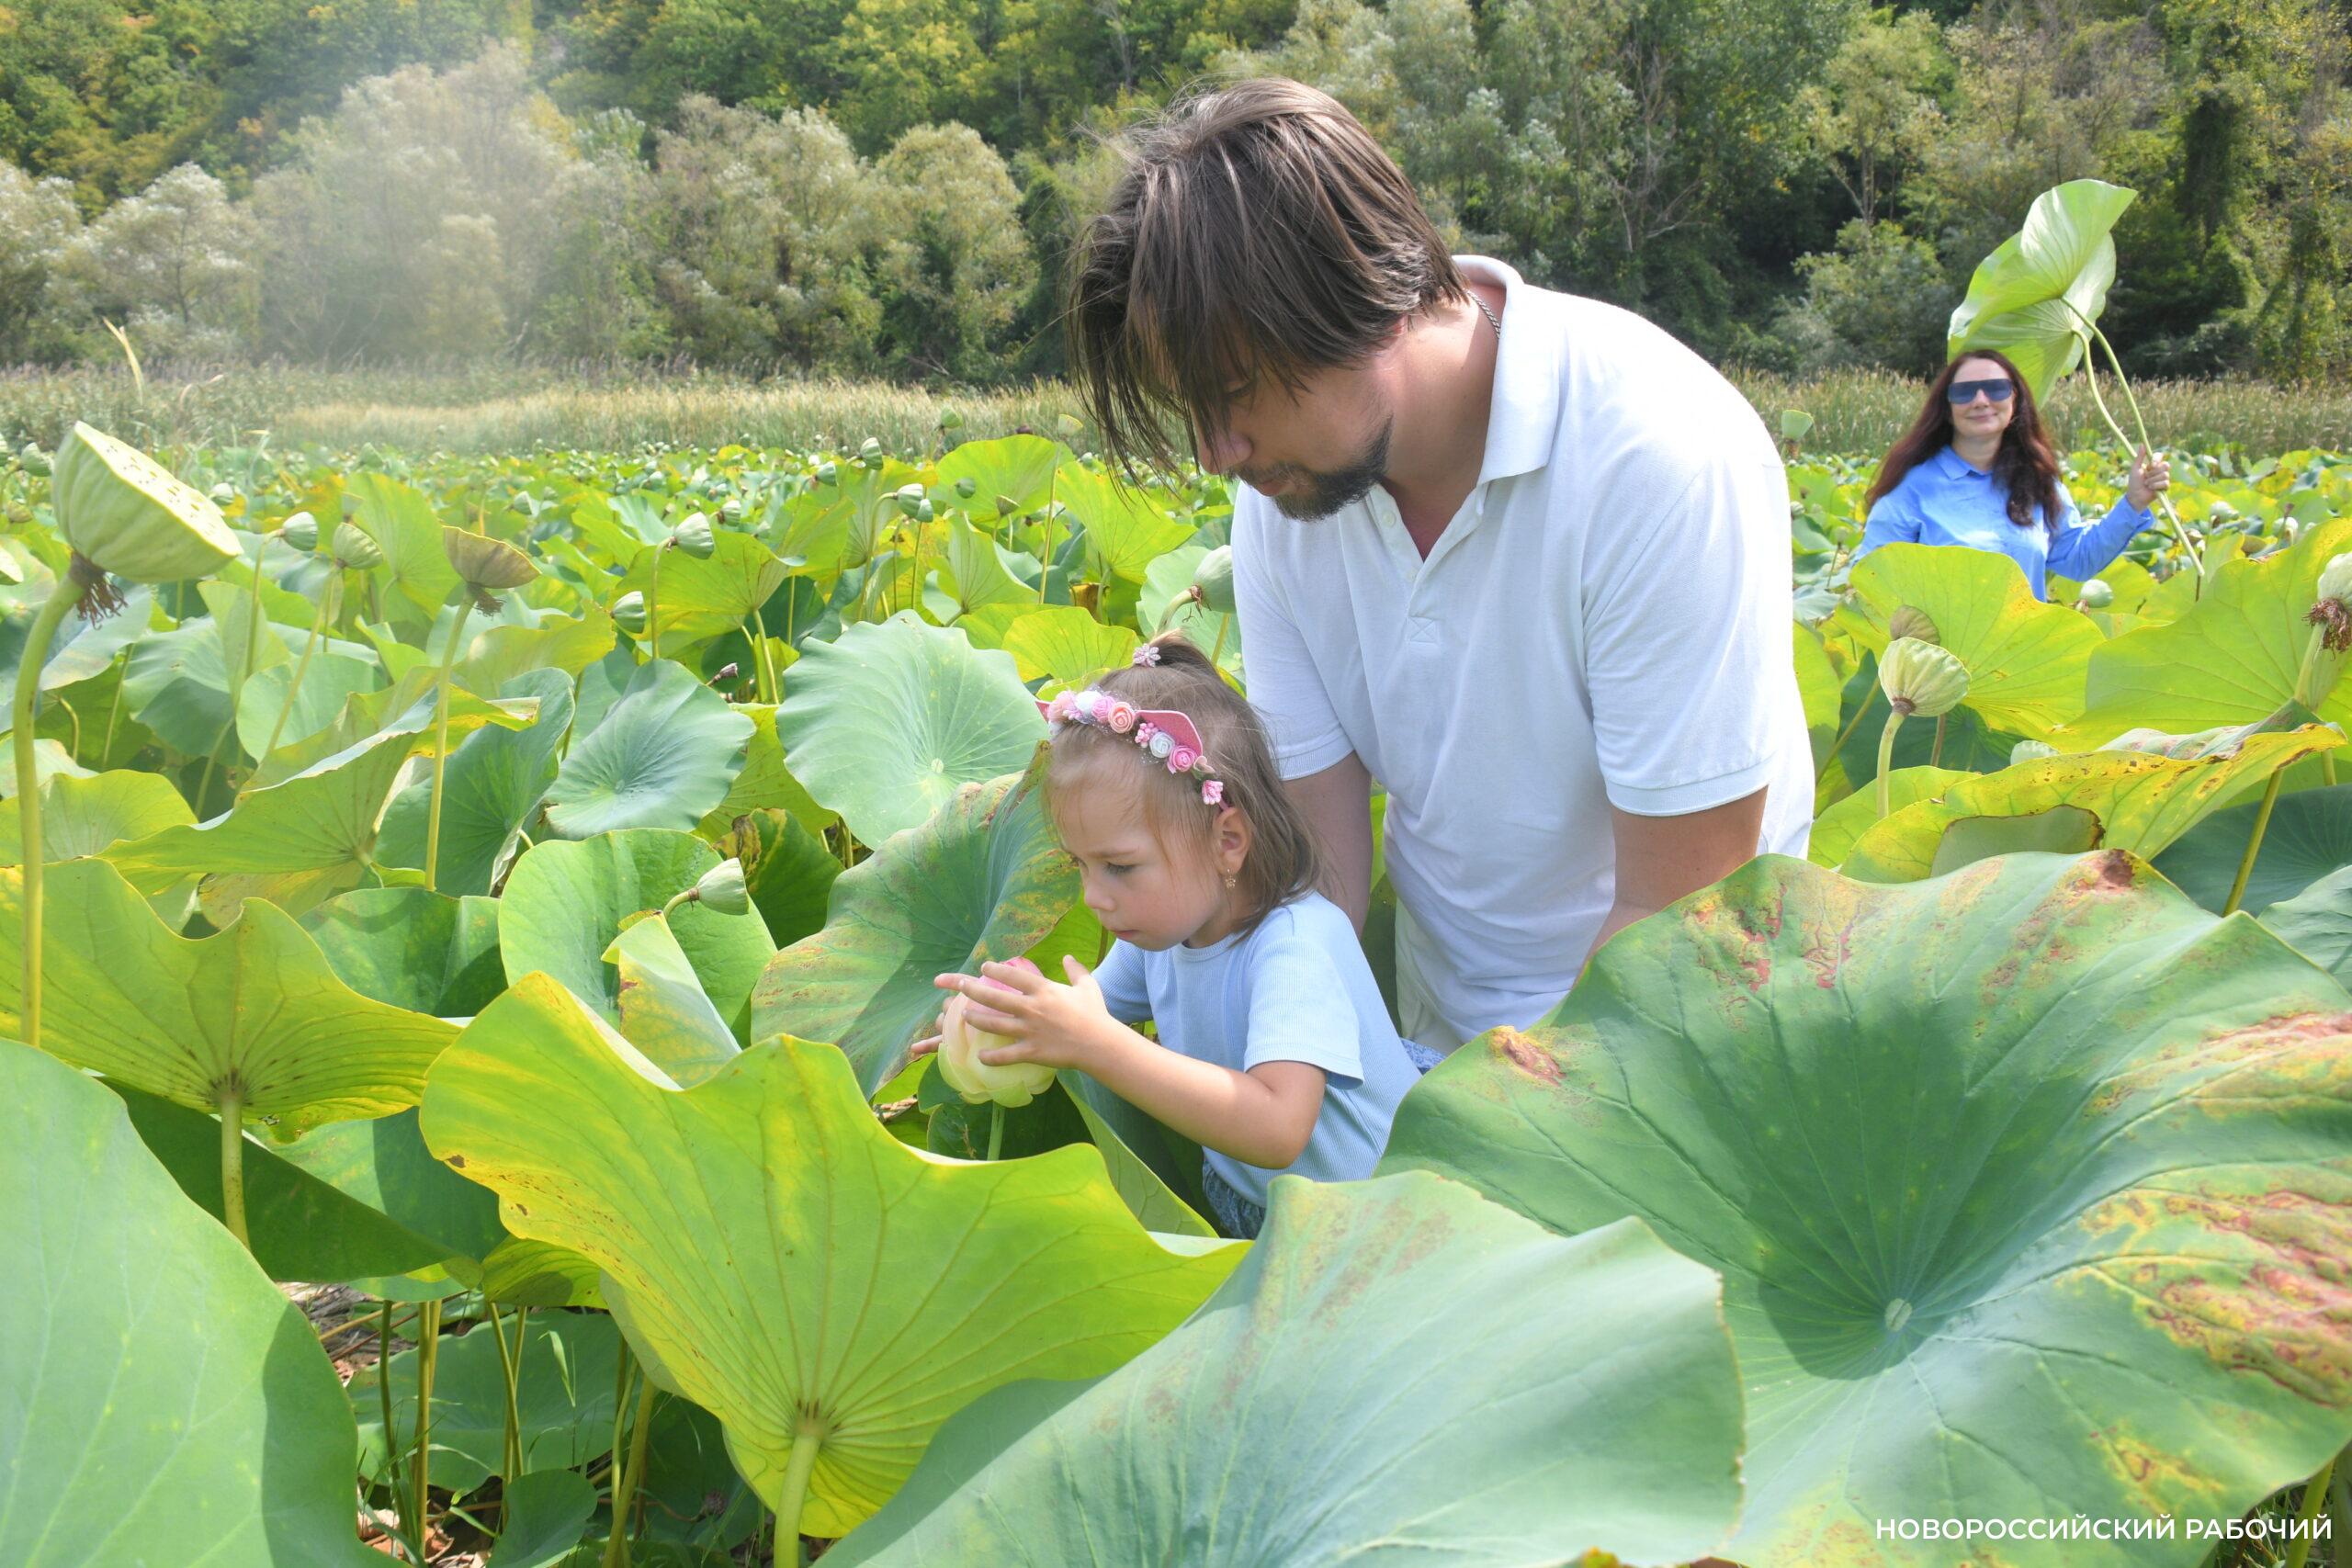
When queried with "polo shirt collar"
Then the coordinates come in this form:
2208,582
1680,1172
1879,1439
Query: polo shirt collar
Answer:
1524,415
1952,466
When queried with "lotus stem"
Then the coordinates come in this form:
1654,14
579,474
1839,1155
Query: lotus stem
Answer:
653,603
2180,529
996,1130
2314,1493
631,1477
384,1398
1223,624
763,662
1936,752
441,742
1886,762
303,665
34,656
1851,724
2254,842
428,1346
233,1163
512,1449
805,1442
2327,768
237,687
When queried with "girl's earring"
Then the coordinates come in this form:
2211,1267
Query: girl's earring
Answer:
1230,879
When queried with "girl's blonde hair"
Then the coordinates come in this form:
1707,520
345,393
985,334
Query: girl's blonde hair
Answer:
1282,861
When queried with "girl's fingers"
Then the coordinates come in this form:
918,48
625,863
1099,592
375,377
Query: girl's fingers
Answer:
1027,982
1004,1055
992,1022
923,1047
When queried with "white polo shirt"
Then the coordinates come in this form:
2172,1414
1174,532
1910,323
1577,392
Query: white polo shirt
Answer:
1605,621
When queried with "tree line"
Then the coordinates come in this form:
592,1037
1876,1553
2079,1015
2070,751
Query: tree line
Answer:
889,186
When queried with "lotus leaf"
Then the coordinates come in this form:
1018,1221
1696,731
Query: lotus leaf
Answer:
787,870
330,681
977,571
2026,1185
660,757
1834,831
2034,297
1127,528
565,902
885,722
490,788
1025,470
983,879
2025,659
542,1517
416,568
81,649
756,1234
50,761
2143,802
700,598
89,816
570,1363
2309,835
2317,923
1568,1393
254,1006
159,1400
765,782
1067,646
412,948
1165,605
177,682
664,1012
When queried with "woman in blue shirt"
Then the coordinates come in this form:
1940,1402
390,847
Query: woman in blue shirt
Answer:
1974,469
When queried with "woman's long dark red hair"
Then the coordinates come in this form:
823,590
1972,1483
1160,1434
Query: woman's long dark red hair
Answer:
2025,466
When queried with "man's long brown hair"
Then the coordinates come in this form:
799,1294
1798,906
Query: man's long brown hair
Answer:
2025,466
1259,232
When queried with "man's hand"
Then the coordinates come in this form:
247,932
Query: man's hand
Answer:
1059,1025
1660,859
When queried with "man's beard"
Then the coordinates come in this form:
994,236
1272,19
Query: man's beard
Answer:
1324,493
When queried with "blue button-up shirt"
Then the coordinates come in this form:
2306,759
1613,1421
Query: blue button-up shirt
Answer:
1945,500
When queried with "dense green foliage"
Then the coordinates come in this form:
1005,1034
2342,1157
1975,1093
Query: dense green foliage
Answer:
889,186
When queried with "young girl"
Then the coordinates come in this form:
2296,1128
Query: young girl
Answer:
1275,1053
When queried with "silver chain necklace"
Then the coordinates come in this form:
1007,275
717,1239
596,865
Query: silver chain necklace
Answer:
1492,320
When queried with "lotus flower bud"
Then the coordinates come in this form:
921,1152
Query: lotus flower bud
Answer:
629,613
302,530
967,488
1920,679
1912,621
960,1044
949,419
486,565
2030,751
1213,578
126,513
354,549
870,455
2335,579
695,537
909,497
721,890
2095,595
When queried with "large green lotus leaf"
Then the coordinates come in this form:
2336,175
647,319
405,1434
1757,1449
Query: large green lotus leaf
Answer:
2025,659
2317,923
1164,605
304,1227
405,705
176,683
82,816
661,758
2034,296
332,680
569,1367
764,781
534,1273
490,786
416,573
2028,1186
703,599
2230,658
1819,689
79,650
887,722
256,1004
1025,470
977,572
1834,831
758,1233
2143,802
2309,835
1067,645
1127,528
51,760
412,948
570,643
541,1518
1152,1201
787,870
983,879
1565,1393
382,1162
159,1400
664,1012
564,904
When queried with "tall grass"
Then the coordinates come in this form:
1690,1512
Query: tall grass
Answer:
515,408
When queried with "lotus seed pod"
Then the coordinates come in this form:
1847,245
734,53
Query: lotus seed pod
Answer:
870,454
1213,578
694,537
1006,506
2030,751
721,890
924,511
1912,621
129,515
967,488
20,513
960,1044
949,419
2096,594
34,459
827,473
354,549
909,497
302,530
222,494
730,510
486,565
629,614
1920,679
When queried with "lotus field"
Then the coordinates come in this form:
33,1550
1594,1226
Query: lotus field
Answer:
508,889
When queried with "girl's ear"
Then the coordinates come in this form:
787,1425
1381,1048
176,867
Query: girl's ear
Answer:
1233,838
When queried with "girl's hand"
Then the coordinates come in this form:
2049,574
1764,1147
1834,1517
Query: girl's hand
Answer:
1059,1025
2150,476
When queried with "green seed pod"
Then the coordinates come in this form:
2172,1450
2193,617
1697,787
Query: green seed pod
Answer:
302,530
1911,622
1920,679
967,488
694,537
908,498
826,473
353,550
721,890
870,455
2096,594
485,564
1007,507
34,459
1213,578
128,514
629,613
949,419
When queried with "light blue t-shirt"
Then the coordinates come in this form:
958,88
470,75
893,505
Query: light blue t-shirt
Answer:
1294,989
1947,500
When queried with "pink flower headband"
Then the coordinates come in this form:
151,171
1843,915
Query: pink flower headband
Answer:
1167,734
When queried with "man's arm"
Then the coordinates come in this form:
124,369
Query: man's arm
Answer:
1337,804
1660,859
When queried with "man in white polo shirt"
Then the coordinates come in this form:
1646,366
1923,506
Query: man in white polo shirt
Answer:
1519,555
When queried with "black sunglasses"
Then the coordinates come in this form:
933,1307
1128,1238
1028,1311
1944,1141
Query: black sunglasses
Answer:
1962,393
